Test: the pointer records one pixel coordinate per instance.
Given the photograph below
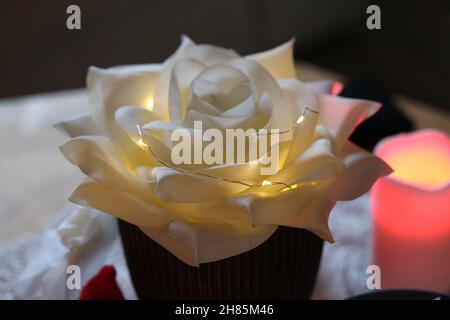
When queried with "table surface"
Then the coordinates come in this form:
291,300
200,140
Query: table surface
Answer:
36,180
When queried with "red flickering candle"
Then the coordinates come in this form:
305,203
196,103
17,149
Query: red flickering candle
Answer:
411,212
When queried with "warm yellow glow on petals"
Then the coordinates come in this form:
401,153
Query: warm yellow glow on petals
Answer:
149,103
141,143
294,186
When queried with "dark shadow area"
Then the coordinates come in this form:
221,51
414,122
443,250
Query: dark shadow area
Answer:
410,54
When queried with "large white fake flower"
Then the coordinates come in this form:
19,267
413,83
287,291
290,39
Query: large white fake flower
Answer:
199,219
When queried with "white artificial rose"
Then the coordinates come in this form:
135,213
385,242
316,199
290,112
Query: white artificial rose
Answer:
199,219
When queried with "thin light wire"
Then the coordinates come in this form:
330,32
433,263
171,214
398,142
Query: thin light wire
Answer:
250,185
299,120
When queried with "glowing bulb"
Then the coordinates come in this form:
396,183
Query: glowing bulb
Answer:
300,119
141,143
266,183
149,104
294,186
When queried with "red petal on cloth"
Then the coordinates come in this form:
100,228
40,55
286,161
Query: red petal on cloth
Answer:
102,286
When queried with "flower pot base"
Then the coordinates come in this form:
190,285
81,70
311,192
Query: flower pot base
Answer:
283,267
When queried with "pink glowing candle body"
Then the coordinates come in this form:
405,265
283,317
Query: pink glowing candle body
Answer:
411,212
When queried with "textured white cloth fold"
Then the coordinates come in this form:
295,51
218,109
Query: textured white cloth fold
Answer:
36,267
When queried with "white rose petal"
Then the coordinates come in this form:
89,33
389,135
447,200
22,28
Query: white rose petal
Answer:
82,125
175,186
313,217
278,61
96,157
342,115
196,242
204,212
362,168
122,205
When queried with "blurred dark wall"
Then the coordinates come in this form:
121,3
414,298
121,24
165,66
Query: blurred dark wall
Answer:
411,53
38,53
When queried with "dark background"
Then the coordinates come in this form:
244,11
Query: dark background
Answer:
410,54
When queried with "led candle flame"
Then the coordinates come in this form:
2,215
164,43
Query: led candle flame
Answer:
411,210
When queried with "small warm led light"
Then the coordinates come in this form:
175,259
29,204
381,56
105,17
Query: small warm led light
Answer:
294,186
300,119
149,104
266,183
141,143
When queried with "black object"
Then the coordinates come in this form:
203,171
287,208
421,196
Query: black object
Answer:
401,295
284,267
388,121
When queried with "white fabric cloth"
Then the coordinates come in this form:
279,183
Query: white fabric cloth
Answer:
34,267
343,267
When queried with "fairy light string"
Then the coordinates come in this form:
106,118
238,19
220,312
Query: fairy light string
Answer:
263,183
299,120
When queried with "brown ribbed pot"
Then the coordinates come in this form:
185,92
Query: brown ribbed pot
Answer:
283,267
